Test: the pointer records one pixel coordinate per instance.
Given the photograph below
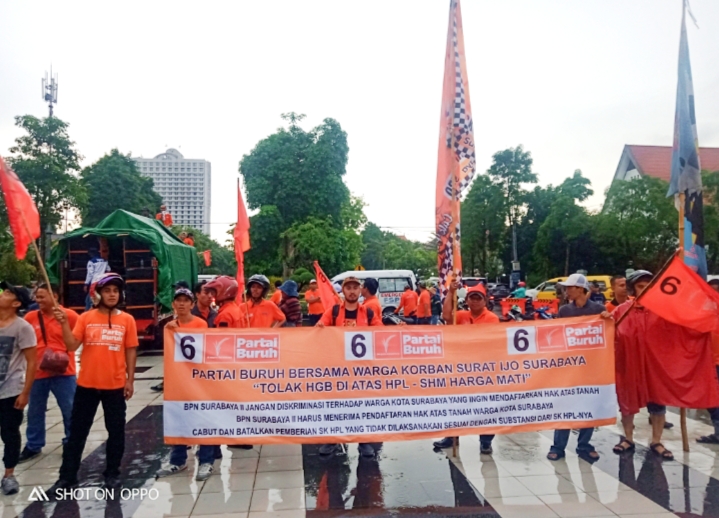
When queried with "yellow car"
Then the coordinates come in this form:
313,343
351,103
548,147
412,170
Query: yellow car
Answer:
547,290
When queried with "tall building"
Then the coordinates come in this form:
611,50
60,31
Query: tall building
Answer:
184,184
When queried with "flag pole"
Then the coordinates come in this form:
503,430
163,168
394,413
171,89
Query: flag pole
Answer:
682,411
39,260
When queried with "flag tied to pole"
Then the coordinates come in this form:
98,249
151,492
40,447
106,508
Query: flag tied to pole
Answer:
456,162
680,296
21,210
327,291
242,241
686,168
207,255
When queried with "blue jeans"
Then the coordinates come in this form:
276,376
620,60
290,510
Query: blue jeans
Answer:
434,320
205,454
88,301
63,388
561,438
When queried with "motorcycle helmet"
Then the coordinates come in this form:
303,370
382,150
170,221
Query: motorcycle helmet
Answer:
225,288
522,284
390,319
108,279
634,277
262,281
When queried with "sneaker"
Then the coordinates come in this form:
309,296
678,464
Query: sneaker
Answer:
366,450
447,442
329,449
159,387
204,471
485,449
27,455
9,485
113,482
169,469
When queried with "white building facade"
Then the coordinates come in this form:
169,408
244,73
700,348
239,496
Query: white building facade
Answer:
184,184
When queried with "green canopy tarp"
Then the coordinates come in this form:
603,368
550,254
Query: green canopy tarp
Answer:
175,260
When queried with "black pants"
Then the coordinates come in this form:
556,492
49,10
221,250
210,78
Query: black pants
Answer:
314,319
84,408
424,321
10,421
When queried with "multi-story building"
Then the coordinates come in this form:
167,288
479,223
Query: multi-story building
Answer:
184,185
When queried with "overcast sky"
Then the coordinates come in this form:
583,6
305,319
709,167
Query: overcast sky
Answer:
573,81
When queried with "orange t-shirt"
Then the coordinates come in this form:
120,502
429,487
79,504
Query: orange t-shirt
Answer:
228,314
55,341
263,314
103,348
485,317
408,301
359,318
373,303
314,308
165,218
195,323
424,310
276,298
189,241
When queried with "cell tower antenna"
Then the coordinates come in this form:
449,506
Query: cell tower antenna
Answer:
49,89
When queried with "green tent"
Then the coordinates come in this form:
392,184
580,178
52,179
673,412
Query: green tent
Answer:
175,260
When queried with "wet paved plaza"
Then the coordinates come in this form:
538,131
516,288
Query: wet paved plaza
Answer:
407,478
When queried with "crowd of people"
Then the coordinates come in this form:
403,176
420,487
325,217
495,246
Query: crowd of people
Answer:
38,357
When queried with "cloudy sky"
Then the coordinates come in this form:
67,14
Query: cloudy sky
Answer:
573,81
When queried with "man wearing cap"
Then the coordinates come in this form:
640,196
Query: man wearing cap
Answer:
349,314
424,309
315,308
17,358
290,304
577,289
477,314
408,302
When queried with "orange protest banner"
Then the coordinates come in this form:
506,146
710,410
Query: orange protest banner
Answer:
319,385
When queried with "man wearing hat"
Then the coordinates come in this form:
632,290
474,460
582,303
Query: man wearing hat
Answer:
578,293
350,314
17,358
477,314
290,304
315,308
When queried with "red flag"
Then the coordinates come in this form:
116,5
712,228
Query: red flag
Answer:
327,291
21,210
242,240
680,296
207,255
456,160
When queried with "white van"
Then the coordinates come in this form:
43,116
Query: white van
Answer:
391,284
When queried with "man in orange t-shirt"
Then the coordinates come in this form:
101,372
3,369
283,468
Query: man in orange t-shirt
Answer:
477,314
369,293
424,309
408,301
276,297
258,312
109,352
61,384
224,290
315,308
164,216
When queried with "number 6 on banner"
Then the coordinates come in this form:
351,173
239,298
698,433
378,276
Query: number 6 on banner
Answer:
189,348
359,345
521,340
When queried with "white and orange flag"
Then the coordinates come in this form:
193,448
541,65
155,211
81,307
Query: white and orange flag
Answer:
456,161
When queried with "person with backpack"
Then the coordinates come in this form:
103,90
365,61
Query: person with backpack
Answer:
290,304
109,353
349,314
56,371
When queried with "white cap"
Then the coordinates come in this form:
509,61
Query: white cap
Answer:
576,279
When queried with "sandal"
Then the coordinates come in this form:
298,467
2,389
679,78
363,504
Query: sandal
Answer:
624,445
664,454
708,439
553,455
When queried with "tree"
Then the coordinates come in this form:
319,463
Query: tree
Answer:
12,270
223,257
484,227
44,159
265,229
385,250
299,172
114,182
512,169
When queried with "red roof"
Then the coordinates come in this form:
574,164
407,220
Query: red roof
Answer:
657,160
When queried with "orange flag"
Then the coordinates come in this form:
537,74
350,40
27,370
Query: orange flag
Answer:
21,210
207,255
678,294
242,240
327,291
456,162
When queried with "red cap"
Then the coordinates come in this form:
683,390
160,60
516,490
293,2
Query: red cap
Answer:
477,288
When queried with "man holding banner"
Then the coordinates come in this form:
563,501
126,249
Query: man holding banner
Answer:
477,314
